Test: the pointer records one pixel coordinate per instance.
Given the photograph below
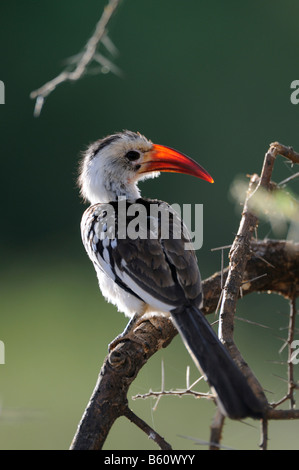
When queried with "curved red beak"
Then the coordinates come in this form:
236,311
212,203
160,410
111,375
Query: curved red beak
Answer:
162,158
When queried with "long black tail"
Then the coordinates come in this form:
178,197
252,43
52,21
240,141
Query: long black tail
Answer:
236,397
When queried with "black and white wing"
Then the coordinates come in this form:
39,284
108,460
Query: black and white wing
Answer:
153,266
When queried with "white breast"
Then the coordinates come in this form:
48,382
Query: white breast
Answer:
124,301
113,293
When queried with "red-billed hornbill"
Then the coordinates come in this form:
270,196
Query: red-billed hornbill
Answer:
153,274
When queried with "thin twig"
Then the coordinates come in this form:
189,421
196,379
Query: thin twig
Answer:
279,402
252,280
287,180
252,322
220,297
280,378
265,261
224,247
159,440
178,393
285,151
216,430
290,352
81,64
264,434
202,442
188,377
285,343
162,385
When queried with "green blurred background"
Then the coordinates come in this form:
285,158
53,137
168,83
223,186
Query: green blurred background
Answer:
209,78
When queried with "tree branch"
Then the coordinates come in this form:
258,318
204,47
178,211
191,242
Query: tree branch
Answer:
120,368
89,54
291,382
147,429
216,430
239,255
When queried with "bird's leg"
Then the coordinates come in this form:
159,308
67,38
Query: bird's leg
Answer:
133,322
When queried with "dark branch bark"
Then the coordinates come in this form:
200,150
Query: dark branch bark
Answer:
147,429
239,255
121,366
216,430
277,259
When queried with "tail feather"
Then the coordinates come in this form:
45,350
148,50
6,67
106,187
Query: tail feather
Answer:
236,397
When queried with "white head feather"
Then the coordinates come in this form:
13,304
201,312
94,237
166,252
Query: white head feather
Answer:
106,173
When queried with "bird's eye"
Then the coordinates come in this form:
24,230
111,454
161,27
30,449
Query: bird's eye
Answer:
132,155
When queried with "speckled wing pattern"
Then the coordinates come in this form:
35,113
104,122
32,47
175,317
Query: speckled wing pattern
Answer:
153,262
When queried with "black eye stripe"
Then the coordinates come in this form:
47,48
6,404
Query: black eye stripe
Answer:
132,155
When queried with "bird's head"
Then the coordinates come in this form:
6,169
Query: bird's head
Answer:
111,167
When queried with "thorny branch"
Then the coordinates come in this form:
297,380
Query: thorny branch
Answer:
84,60
188,390
147,429
291,382
255,266
239,255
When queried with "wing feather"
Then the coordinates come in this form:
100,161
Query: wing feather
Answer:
158,270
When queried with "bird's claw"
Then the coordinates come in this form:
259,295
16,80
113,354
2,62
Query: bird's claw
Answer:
119,339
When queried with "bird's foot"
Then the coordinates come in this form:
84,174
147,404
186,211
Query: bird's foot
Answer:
119,339
126,335
129,332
